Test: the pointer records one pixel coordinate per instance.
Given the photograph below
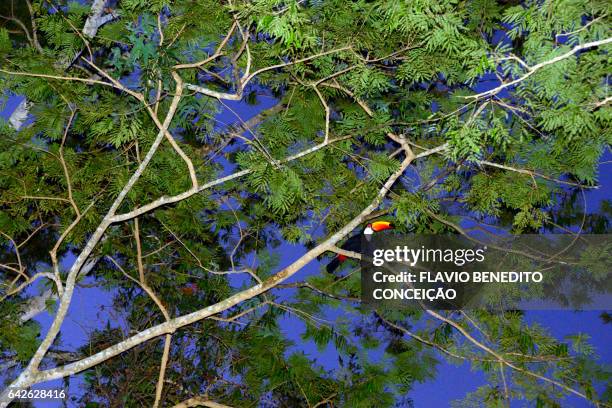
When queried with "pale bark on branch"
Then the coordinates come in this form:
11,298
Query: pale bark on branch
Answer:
186,194
28,376
500,358
200,401
172,325
535,68
19,115
38,304
95,20
245,79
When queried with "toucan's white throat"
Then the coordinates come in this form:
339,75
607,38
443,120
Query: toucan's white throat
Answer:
368,230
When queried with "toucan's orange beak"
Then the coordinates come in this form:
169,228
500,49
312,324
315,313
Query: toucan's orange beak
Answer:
381,226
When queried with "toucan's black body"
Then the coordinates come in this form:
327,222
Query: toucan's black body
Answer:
352,244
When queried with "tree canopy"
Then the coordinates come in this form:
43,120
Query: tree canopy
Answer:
117,171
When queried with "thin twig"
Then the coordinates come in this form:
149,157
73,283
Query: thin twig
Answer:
533,69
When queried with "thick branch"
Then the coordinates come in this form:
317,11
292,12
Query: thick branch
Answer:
96,18
186,194
176,323
29,375
19,115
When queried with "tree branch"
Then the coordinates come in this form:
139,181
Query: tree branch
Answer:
532,70
27,377
176,323
186,194
248,77
499,357
96,18
200,402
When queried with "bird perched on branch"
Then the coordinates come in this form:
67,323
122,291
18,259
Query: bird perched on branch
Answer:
354,243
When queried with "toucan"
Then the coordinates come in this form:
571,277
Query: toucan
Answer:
354,242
